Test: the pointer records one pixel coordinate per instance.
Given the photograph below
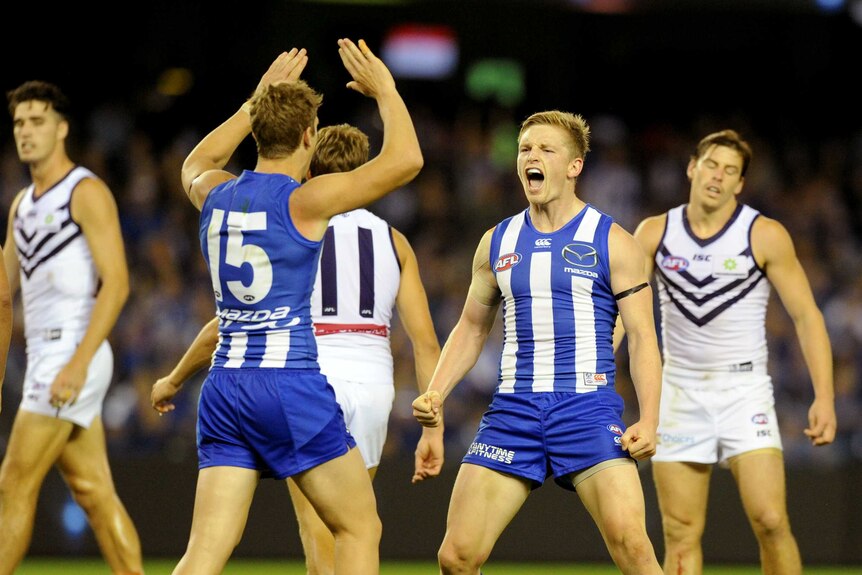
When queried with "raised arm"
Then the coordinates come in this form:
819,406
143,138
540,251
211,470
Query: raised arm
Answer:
467,339
628,273
774,251
198,355
398,162
202,169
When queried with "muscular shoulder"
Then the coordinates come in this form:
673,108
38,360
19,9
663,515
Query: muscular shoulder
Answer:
649,232
92,199
770,240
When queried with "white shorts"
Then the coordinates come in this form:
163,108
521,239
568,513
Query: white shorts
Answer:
366,410
711,416
44,365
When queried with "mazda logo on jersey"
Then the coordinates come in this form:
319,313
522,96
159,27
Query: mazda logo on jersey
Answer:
581,255
507,261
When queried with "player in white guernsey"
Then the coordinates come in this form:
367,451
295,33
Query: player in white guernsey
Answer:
265,410
563,271
65,251
367,271
714,260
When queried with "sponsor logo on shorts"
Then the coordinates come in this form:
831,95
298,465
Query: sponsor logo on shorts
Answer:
615,429
675,439
491,452
760,419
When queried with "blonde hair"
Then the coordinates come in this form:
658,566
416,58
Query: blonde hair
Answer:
574,125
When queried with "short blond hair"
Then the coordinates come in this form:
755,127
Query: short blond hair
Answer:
574,125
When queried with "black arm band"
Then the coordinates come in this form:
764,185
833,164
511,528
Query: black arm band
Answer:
629,292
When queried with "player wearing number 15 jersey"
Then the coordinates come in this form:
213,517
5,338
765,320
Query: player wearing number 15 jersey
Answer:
265,409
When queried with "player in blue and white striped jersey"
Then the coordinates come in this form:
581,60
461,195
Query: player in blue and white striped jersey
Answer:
563,270
265,409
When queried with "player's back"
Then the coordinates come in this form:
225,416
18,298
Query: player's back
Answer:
354,296
262,271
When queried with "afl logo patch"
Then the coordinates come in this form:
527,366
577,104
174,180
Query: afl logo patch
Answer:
615,429
760,419
507,262
581,255
674,263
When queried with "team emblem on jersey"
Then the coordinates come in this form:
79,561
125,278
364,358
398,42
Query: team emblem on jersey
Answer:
507,261
581,255
674,263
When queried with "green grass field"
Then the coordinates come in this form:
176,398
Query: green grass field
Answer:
36,566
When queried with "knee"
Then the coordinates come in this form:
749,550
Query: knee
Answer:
770,523
453,559
629,542
88,493
681,531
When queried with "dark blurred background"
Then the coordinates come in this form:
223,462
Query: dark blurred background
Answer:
148,80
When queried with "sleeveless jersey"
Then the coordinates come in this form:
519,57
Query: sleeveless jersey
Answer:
712,294
59,281
262,272
558,309
354,295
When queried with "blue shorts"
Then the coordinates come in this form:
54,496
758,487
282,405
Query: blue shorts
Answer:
536,435
278,421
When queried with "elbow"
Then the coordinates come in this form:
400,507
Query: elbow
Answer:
412,163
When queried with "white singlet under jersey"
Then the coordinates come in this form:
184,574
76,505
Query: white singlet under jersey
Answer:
59,281
713,294
354,295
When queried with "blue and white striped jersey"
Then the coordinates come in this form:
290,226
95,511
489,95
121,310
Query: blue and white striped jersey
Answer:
262,273
712,294
558,309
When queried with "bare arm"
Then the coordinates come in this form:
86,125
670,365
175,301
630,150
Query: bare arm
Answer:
398,162
5,324
636,310
467,339
648,234
774,251
415,315
95,211
198,355
10,254
202,169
